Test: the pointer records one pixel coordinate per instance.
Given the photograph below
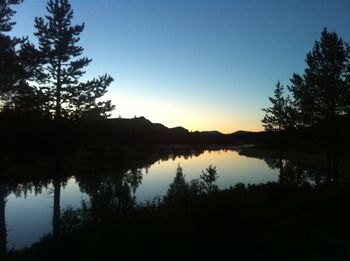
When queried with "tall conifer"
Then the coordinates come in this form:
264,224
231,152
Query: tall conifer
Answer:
63,66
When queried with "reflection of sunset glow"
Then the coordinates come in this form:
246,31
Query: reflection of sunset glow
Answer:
231,167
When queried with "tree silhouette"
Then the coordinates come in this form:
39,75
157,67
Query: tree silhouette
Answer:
323,92
8,56
18,65
62,66
303,102
326,76
6,14
277,116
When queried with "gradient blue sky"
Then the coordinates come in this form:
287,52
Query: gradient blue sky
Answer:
199,64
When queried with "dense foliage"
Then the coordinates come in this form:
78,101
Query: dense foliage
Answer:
322,93
46,78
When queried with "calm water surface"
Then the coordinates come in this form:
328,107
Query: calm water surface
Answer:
29,216
231,167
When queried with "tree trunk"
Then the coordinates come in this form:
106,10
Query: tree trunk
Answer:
56,219
332,148
58,92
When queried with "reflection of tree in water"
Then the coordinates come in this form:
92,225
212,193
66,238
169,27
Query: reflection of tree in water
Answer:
273,163
186,153
178,188
19,189
108,194
134,178
24,188
57,183
4,191
293,174
30,187
181,189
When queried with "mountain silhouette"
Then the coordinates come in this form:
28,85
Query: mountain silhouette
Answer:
142,131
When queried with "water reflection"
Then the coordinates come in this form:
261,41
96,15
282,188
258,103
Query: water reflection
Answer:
108,193
231,167
8,190
56,205
294,174
57,182
3,232
134,178
30,209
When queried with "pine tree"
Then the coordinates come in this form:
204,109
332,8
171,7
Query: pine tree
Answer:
63,66
326,77
322,93
6,14
18,65
278,116
302,103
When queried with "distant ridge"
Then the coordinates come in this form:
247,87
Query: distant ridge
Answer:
179,130
240,132
142,121
211,133
143,130
116,131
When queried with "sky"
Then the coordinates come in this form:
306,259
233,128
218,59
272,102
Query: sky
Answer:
200,64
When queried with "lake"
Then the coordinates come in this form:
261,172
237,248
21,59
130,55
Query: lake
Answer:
29,209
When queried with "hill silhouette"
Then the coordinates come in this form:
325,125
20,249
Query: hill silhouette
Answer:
143,131
35,133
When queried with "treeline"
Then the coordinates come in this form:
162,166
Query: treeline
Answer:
43,80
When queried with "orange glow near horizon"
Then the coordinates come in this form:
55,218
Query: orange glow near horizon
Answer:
194,117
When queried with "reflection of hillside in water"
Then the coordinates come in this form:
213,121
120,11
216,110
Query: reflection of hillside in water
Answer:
113,188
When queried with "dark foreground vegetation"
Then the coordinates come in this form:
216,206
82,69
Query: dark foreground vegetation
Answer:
257,222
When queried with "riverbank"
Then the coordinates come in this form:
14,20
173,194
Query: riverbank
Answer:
257,222
302,158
